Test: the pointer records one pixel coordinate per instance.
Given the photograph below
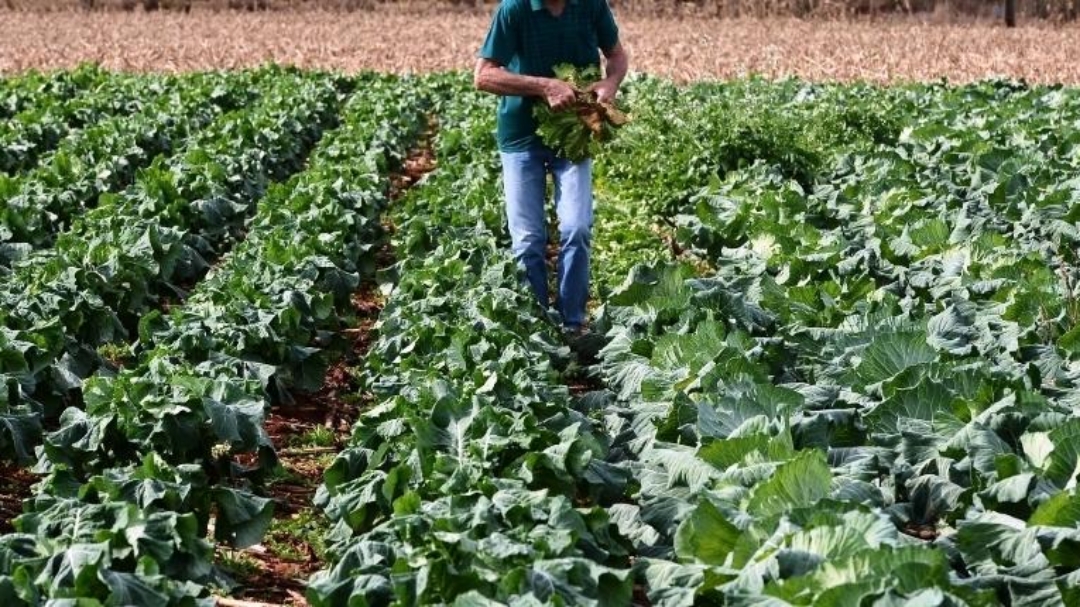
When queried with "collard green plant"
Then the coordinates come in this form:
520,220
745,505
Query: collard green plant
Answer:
856,384
579,131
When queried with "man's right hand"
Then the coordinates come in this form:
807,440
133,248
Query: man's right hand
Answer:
558,94
494,78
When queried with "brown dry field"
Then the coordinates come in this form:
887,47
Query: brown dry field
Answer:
683,49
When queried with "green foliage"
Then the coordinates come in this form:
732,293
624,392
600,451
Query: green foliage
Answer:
190,404
64,105
105,156
905,296
579,131
857,385
854,405
319,436
290,538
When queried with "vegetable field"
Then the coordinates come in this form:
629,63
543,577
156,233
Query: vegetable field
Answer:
836,359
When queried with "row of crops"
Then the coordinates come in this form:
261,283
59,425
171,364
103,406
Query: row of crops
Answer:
838,345
135,376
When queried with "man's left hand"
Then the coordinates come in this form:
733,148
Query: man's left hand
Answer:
605,91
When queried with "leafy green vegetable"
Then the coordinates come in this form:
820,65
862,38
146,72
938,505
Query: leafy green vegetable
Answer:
578,132
840,359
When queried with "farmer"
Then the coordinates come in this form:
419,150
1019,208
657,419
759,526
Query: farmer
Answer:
527,38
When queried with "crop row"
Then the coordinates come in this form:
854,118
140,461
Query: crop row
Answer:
857,384
860,389
39,204
868,396
160,445
19,93
466,478
136,250
36,130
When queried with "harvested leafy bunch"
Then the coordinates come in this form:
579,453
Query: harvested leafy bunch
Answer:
577,132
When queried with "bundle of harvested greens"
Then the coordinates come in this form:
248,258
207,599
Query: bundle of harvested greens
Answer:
577,132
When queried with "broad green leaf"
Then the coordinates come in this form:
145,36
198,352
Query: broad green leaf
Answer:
1064,460
1061,510
242,518
933,498
706,536
927,402
1012,490
992,543
129,589
672,584
953,330
800,482
869,572
1037,447
891,353
723,453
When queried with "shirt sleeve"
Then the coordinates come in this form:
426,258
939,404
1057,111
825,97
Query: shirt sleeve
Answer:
501,43
607,32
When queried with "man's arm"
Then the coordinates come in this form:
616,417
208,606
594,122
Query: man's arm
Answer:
491,77
618,63
500,47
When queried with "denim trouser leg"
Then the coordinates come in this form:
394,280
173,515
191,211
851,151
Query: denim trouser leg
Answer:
524,182
524,176
574,205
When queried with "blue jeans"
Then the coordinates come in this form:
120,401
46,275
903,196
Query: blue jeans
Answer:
524,181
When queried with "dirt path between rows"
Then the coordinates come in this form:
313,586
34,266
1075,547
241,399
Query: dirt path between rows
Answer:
308,433
15,487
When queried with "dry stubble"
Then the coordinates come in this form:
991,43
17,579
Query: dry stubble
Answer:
686,49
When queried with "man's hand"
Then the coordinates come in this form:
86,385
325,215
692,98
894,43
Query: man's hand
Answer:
605,90
559,95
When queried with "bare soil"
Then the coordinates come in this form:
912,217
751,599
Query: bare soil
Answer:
389,39
280,569
15,485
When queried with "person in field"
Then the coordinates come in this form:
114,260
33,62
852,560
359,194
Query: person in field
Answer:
527,38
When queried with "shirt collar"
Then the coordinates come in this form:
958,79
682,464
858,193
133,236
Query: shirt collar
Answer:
539,4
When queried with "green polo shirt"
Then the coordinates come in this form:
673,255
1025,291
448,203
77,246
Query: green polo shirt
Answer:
526,38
